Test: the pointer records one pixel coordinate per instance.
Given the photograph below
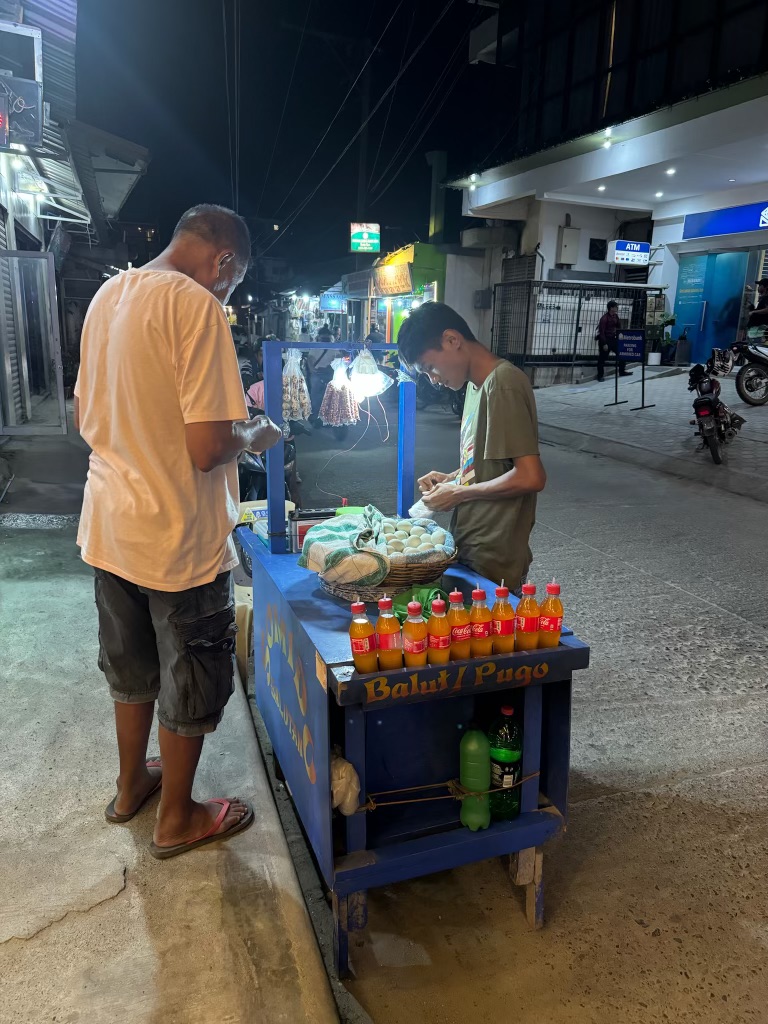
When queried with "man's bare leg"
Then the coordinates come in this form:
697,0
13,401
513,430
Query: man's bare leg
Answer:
133,723
180,819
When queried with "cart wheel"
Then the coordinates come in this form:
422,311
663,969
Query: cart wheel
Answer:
277,768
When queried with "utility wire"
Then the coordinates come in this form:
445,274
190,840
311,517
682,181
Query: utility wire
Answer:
237,38
229,105
292,217
341,107
285,105
392,99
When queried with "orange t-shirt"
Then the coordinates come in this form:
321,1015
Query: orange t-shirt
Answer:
156,353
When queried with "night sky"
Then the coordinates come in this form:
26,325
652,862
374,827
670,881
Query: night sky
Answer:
153,71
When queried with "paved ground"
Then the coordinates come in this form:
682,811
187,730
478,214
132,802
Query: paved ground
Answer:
92,928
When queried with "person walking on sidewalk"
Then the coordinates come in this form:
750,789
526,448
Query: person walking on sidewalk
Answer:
493,493
160,402
607,336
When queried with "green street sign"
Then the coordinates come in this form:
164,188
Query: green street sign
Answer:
365,237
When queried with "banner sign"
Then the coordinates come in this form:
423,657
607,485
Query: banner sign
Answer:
636,253
364,237
631,346
730,221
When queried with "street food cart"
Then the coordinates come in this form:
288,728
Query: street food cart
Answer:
399,729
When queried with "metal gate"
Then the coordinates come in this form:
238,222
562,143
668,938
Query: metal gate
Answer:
31,379
554,323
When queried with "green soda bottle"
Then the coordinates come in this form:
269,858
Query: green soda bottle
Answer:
506,744
475,757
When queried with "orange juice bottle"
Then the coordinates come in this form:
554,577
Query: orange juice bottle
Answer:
503,622
551,617
527,620
481,644
389,639
414,637
362,638
438,634
461,630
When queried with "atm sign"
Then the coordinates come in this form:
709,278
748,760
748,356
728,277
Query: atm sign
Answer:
637,253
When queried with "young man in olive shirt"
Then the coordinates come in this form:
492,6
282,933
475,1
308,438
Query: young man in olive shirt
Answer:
493,493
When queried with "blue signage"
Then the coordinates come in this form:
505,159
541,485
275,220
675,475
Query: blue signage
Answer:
333,302
621,251
731,221
631,346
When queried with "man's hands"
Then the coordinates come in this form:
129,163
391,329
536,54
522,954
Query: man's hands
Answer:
216,443
433,478
445,497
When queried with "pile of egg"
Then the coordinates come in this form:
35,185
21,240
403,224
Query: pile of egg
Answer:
407,537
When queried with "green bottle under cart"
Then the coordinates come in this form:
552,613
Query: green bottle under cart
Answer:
475,758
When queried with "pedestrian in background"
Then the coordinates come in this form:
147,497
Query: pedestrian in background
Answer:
607,340
160,401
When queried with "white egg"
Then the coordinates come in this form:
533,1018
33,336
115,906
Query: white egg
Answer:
397,557
426,547
440,549
395,545
400,535
387,528
412,542
404,525
437,537
417,531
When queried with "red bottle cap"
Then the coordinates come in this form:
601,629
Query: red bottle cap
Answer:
358,608
507,710
414,608
502,592
553,588
529,588
456,597
478,595
385,604
438,606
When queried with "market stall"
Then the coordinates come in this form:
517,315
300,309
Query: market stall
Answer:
399,729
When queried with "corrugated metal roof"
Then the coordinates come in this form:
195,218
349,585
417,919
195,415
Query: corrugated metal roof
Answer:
58,21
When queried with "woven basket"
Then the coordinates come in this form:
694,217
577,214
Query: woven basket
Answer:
403,577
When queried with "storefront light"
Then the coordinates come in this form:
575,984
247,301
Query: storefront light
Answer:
607,144
416,303
473,178
601,188
472,188
17,163
659,195
671,170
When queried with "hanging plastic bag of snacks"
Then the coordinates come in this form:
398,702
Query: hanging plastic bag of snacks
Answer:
296,402
339,408
366,378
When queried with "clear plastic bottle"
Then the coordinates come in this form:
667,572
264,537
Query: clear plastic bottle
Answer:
506,743
551,617
362,640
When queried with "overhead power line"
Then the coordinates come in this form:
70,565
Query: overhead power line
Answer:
391,99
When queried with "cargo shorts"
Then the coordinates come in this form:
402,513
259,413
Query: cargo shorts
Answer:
175,648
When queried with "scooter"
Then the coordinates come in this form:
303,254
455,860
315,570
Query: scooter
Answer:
752,357
428,393
715,424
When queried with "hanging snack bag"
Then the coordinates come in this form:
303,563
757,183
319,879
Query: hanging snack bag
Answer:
339,408
296,402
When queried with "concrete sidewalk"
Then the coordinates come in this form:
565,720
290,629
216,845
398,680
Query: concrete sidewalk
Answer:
92,928
658,438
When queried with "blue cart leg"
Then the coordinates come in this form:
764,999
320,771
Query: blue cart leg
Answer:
350,913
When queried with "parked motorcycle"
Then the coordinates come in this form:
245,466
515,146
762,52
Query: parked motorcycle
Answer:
428,393
752,378
715,424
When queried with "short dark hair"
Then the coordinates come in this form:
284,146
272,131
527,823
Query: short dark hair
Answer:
218,226
612,302
424,328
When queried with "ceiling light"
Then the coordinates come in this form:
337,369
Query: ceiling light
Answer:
607,144
18,163
250,298
608,132
601,188
732,180
305,297
473,177
670,171
472,188
659,195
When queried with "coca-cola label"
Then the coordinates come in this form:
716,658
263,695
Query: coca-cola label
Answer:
504,627
461,633
527,623
551,623
439,643
389,641
413,646
481,630
363,644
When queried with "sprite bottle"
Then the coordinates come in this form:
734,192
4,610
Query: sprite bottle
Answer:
506,742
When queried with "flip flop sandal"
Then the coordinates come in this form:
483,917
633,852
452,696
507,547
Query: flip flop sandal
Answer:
211,836
119,819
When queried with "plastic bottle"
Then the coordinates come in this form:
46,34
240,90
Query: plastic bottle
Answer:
527,620
506,745
461,629
414,637
481,645
503,619
438,635
475,775
362,639
389,639
551,617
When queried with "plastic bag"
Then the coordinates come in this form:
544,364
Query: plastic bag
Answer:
366,378
339,408
296,401
345,786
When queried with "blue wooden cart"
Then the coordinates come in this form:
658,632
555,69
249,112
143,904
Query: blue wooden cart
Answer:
401,730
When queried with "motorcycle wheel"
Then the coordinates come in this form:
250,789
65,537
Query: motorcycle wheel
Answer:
752,384
714,448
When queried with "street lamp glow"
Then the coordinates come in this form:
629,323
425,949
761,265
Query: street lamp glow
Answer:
472,188
670,171
305,297
250,298
601,188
